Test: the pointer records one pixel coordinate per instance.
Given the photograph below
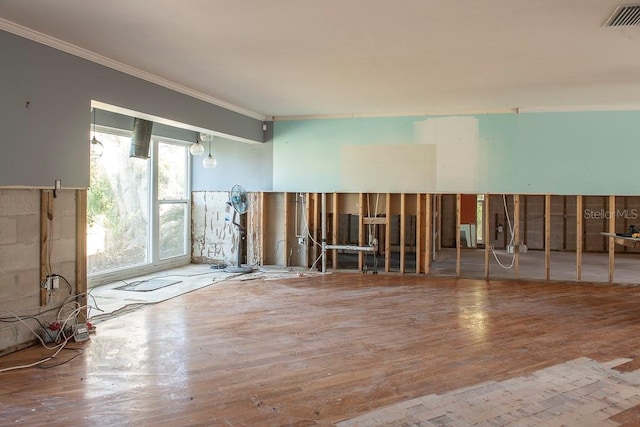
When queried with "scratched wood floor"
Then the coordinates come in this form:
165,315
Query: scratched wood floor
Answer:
315,350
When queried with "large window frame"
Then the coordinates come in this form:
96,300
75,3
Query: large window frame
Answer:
155,262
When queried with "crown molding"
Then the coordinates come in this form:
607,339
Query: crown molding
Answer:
72,49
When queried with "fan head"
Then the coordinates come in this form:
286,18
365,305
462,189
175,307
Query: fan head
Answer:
239,199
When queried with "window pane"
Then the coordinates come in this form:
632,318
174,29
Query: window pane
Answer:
172,229
172,172
118,208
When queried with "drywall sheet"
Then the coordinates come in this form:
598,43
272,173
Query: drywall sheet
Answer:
307,154
457,142
389,168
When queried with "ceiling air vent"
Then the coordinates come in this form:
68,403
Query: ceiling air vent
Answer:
624,16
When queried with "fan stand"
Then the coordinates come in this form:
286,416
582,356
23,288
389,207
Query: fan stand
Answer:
238,268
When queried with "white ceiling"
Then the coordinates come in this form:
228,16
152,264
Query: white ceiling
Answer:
287,58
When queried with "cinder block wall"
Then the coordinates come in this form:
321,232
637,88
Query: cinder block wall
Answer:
20,262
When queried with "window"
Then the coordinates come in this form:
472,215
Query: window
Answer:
137,210
173,199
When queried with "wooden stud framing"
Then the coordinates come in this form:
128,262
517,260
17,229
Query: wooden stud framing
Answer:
307,212
579,243
403,231
46,215
315,230
612,230
334,230
286,243
263,228
81,252
419,231
547,236
516,234
487,236
361,233
387,235
458,249
427,233
439,222
564,223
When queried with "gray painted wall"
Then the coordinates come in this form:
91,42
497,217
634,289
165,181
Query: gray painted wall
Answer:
45,101
250,165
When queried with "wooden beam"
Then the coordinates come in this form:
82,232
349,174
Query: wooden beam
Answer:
286,245
361,233
46,215
81,253
387,235
458,249
547,236
263,227
374,221
316,226
627,242
564,223
579,237
427,233
307,230
524,202
439,222
612,230
403,230
419,231
516,234
487,235
334,230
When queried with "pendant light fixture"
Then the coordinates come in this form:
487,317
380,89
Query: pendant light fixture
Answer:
96,148
209,162
196,148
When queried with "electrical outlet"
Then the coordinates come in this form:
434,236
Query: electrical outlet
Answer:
52,283
301,240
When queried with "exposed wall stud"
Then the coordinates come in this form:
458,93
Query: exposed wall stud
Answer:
403,231
46,215
285,244
428,233
387,235
361,232
516,234
81,252
334,231
547,236
612,231
420,239
487,235
579,243
458,240
263,227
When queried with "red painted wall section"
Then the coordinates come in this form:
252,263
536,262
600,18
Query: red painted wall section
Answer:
468,208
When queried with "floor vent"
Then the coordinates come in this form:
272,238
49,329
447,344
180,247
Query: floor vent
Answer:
624,16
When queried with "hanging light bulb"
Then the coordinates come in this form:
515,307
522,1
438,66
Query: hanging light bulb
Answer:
96,149
210,162
196,148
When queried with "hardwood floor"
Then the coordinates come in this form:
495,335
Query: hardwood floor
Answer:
315,350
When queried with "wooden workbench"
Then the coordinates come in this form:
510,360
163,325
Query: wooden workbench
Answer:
631,242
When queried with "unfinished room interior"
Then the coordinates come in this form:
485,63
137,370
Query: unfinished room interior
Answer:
319,213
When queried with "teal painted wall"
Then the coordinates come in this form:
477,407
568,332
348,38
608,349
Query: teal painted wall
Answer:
589,153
